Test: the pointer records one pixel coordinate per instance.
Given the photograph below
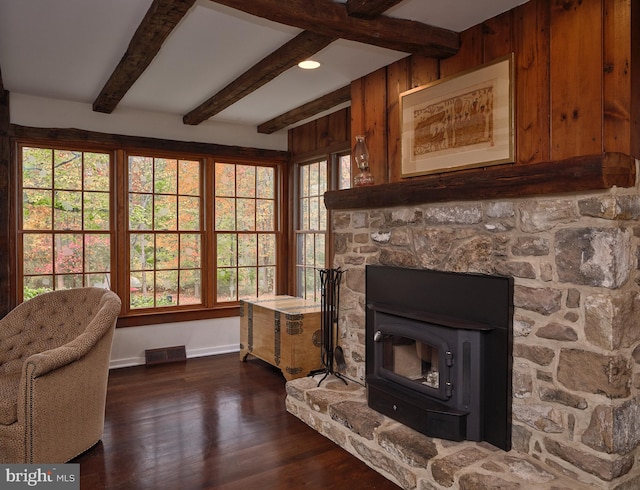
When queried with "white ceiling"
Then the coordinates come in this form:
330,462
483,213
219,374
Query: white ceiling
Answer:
67,49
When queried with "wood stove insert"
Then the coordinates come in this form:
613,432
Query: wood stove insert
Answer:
439,352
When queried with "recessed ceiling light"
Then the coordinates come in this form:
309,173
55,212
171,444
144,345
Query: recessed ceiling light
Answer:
309,65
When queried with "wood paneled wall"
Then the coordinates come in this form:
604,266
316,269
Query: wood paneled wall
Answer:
326,134
575,64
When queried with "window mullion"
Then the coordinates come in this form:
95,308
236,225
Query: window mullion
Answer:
120,202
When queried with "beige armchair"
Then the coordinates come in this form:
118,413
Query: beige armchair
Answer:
54,365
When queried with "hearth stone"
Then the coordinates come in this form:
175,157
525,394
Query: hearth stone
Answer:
408,458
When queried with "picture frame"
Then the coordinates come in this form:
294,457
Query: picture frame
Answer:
459,122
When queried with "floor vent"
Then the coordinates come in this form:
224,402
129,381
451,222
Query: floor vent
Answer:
164,355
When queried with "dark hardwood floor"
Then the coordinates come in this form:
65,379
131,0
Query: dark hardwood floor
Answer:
212,422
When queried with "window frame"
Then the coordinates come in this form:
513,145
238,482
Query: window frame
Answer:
333,182
238,229
303,267
124,273
119,190
19,229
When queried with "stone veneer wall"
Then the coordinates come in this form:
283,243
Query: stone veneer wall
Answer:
576,378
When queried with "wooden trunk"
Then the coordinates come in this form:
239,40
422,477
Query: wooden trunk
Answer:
283,331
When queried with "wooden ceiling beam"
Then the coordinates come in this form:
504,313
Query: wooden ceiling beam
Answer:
161,18
310,109
278,62
325,22
331,19
298,49
368,9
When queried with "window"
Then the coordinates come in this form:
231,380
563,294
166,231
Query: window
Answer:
165,232
65,224
344,171
312,228
181,234
313,180
245,226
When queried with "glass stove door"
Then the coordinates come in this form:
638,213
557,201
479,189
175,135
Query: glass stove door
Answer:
412,359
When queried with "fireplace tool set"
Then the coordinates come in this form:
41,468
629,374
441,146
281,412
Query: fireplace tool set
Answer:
330,305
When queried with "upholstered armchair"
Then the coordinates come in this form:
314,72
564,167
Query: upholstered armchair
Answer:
54,365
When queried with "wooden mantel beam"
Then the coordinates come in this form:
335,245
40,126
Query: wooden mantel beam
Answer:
331,19
161,18
576,174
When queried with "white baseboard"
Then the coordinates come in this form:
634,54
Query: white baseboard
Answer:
212,351
121,363
191,353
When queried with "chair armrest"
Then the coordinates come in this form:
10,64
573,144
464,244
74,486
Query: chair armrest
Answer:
45,362
61,401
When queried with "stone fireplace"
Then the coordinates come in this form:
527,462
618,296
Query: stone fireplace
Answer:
576,339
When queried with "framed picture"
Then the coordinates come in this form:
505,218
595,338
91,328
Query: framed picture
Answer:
459,122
